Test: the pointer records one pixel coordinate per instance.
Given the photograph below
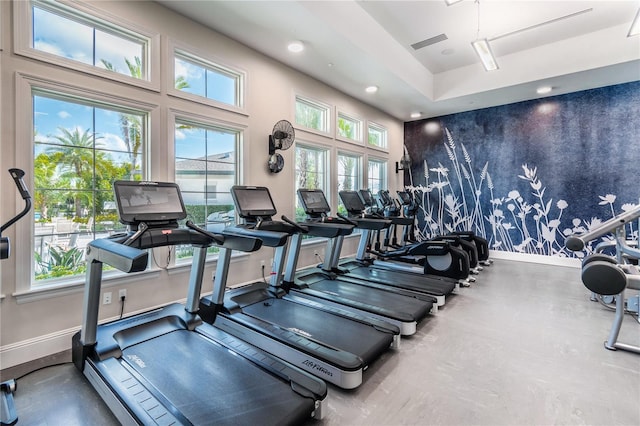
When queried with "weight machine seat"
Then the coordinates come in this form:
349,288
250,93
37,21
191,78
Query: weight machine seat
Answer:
603,277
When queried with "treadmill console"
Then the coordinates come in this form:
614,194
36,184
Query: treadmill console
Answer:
253,202
154,203
405,198
314,203
352,202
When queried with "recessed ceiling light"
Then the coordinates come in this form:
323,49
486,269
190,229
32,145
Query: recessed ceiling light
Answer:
448,52
544,90
416,114
296,46
371,89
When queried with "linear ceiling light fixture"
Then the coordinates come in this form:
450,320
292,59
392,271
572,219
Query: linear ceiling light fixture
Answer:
635,26
485,54
482,48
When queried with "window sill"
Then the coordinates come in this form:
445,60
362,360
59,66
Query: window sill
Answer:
76,285
349,140
378,148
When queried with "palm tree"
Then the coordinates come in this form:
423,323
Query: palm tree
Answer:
131,125
75,156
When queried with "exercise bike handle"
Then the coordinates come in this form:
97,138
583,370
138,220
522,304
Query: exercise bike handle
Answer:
17,175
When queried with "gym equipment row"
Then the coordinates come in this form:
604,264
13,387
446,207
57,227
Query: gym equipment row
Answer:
272,345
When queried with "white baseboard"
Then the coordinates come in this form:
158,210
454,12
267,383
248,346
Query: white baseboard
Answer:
41,346
536,258
37,347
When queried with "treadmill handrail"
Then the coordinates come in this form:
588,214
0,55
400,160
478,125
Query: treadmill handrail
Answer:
267,237
126,259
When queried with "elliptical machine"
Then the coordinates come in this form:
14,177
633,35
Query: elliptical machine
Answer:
8,413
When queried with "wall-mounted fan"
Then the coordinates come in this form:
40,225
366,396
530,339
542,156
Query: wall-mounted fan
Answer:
282,138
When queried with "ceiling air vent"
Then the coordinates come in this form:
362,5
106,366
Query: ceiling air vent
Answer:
429,41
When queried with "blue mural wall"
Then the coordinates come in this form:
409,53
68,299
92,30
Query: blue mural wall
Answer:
529,174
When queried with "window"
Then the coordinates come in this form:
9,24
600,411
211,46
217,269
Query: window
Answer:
311,173
377,175
312,114
206,79
75,37
349,175
206,169
349,128
80,147
377,136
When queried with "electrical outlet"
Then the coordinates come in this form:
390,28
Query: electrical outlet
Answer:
122,293
315,253
106,298
262,263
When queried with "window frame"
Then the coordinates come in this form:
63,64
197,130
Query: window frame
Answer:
359,157
88,14
25,87
193,55
176,115
326,116
385,136
326,178
341,115
384,180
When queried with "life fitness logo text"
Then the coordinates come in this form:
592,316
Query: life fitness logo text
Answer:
317,367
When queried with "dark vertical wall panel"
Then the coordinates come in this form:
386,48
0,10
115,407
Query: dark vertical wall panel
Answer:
526,175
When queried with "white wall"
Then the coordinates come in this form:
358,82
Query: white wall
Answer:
43,324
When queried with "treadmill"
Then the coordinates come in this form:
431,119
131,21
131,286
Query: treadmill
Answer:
323,285
333,343
317,209
166,366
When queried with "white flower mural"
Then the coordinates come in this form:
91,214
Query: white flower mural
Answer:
517,222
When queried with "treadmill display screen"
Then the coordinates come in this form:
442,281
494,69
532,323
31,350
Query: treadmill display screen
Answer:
367,198
253,201
351,201
404,197
313,201
148,202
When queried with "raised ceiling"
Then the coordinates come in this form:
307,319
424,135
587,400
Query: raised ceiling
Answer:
419,53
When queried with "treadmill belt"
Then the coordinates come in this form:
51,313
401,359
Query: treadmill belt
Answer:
417,308
359,339
401,279
210,385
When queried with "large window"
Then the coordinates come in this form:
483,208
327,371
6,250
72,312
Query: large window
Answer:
377,175
206,169
72,37
206,79
312,114
349,175
80,148
311,172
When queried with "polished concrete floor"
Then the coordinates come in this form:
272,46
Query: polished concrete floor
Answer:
522,346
